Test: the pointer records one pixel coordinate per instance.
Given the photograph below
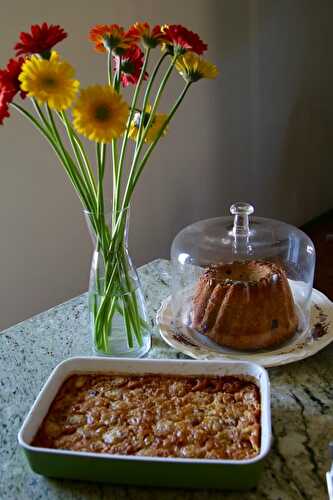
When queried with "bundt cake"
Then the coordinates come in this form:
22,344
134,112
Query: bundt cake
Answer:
244,305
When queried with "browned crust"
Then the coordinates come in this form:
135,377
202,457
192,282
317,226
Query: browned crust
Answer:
254,313
155,415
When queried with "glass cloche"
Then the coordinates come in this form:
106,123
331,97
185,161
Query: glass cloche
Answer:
244,282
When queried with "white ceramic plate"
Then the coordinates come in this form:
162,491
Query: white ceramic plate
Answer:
301,346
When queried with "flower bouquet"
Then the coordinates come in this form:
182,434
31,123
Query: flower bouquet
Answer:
100,114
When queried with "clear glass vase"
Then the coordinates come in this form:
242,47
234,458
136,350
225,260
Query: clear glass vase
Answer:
117,311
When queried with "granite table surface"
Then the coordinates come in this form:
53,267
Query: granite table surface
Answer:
302,408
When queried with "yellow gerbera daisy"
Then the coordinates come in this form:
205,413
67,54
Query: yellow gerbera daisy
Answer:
100,114
193,67
154,129
49,81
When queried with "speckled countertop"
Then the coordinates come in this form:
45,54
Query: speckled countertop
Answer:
302,408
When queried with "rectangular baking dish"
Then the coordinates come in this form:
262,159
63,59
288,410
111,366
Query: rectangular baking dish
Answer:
139,470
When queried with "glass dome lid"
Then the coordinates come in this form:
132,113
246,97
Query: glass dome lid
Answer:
248,258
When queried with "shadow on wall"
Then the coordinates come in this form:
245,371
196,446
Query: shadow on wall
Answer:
307,157
223,116
291,109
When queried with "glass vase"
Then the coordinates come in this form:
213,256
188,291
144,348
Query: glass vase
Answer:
117,311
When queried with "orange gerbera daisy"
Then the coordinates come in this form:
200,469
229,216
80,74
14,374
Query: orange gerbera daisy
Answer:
112,37
151,37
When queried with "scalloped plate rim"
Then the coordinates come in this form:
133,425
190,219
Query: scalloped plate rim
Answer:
266,359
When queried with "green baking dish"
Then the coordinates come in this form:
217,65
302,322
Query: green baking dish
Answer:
146,471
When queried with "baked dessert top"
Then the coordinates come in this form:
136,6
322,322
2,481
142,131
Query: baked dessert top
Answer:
244,273
155,415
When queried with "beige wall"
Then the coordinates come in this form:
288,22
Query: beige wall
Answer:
261,132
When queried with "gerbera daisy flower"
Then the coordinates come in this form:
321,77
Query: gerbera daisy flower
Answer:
9,77
154,129
10,85
131,63
179,40
100,114
150,37
4,101
50,81
193,67
111,37
41,40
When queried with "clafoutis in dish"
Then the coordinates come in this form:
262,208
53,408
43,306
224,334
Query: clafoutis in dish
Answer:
207,417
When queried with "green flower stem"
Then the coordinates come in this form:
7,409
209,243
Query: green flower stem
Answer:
85,168
108,322
131,178
53,141
132,310
91,193
116,78
153,110
105,299
128,190
101,156
121,298
86,161
152,146
71,165
80,153
125,298
132,304
117,234
114,146
117,186
41,114
105,337
130,324
115,173
35,122
127,326
109,67
125,140
146,96
143,324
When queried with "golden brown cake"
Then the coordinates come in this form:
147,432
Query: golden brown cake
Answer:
244,305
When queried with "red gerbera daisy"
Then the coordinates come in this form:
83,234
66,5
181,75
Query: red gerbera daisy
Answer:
131,65
4,101
9,81
181,39
41,39
150,37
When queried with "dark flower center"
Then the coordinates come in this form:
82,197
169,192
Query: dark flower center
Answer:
128,67
102,113
49,81
46,54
